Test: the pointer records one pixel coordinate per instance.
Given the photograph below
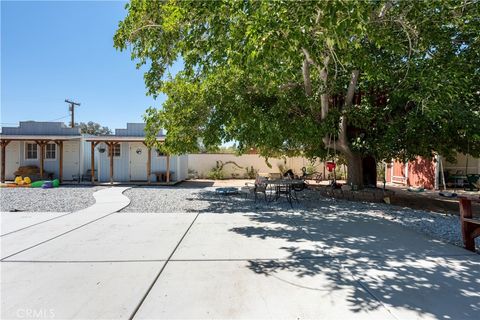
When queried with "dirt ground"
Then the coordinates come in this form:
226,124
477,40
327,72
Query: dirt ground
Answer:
427,200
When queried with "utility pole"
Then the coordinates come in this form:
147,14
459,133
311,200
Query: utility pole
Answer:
71,108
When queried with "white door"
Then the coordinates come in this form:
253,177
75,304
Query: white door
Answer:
138,161
71,159
12,159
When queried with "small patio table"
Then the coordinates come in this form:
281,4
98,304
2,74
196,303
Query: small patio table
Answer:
284,187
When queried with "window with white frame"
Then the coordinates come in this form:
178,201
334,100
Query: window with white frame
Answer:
51,151
116,150
31,151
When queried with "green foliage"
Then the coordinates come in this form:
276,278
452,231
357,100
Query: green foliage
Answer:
92,128
251,173
243,81
381,171
310,169
216,173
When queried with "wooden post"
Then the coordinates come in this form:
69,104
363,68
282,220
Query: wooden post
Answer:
466,213
149,161
4,148
149,164
111,146
59,143
168,168
93,161
41,144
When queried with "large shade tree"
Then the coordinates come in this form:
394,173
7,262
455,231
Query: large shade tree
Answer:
383,79
93,128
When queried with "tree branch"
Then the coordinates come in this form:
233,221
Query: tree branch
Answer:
351,88
342,132
306,72
324,95
151,25
385,9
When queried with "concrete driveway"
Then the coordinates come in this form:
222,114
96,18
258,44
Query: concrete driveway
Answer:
238,265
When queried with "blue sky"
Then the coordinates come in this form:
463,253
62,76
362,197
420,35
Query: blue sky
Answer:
51,51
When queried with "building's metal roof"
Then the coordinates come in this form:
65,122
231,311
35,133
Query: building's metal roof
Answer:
30,137
35,128
120,138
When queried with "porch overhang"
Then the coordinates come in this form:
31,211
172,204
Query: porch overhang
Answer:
111,141
41,140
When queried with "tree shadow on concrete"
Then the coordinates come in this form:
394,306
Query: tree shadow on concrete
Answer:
401,269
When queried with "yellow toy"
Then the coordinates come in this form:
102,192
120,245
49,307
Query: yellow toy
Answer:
27,180
18,179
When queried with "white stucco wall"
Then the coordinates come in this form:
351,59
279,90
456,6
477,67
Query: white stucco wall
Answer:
203,163
471,166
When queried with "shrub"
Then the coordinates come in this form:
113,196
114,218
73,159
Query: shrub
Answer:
250,173
215,173
310,169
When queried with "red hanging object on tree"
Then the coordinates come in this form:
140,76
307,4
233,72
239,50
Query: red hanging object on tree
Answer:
330,166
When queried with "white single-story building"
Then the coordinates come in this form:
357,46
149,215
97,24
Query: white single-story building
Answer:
125,157
69,155
51,146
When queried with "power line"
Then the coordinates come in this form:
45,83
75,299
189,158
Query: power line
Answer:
59,118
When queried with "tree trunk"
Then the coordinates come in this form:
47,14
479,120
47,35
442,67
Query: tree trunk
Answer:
369,165
355,170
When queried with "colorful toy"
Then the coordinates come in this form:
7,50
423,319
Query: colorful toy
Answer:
27,182
37,184
47,185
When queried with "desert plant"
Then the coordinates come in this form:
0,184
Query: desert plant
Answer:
215,173
251,173
310,169
192,174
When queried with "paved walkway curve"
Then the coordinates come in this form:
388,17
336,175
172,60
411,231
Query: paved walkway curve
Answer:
107,201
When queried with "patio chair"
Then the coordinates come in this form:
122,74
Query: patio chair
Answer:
88,175
259,187
473,181
316,176
297,189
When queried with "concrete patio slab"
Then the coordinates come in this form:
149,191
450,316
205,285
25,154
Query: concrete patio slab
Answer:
272,265
108,201
119,237
74,290
425,288
243,290
345,234
13,221
244,236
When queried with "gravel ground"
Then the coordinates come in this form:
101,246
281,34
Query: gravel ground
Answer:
441,226
63,199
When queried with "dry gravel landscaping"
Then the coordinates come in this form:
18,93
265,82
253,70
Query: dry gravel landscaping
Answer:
62,199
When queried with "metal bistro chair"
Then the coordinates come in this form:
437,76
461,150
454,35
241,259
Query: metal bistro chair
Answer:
298,188
259,187
88,175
